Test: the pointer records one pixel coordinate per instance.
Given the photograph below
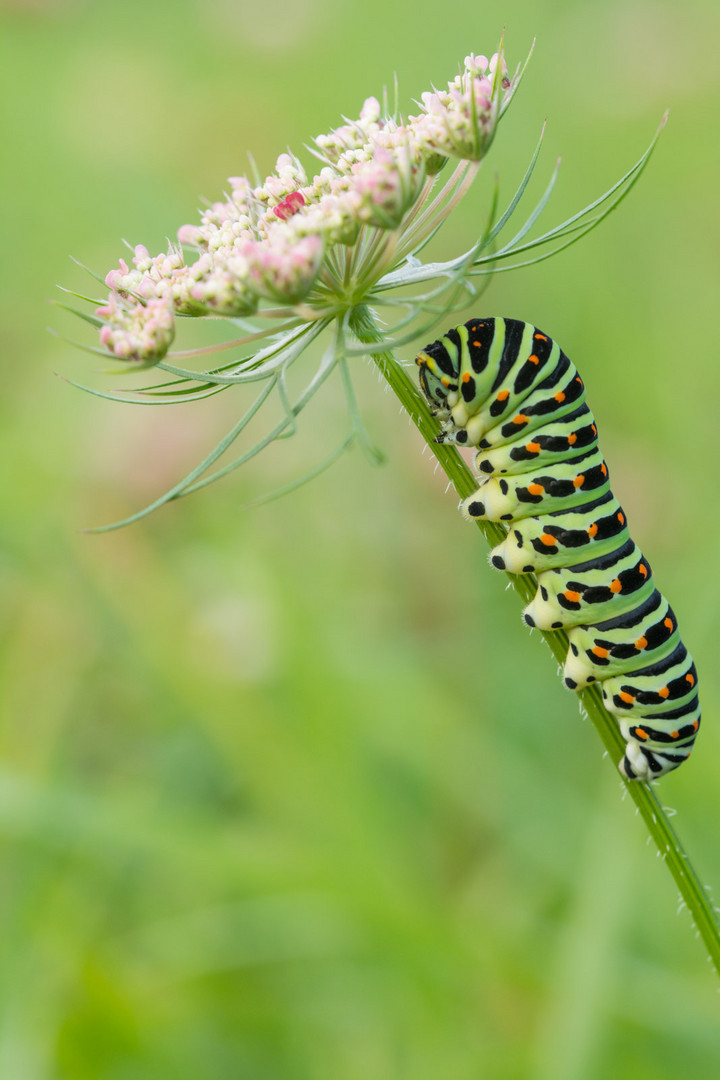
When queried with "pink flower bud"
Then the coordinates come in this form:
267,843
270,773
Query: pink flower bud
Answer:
282,266
460,121
140,332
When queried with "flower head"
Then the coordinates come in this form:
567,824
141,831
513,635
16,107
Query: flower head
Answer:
460,121
284,265
323,240
298,256
141,332
390,181
220,285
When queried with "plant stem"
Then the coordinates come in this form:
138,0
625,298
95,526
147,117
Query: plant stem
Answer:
695,896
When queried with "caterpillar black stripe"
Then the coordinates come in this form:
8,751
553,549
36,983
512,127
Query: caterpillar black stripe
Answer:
503,386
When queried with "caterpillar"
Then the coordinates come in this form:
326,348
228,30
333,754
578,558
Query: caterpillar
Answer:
506,388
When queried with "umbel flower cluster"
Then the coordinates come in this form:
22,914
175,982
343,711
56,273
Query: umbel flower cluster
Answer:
292,238
289,258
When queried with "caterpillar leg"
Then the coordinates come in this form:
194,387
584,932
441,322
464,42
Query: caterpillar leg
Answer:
641,763
635,765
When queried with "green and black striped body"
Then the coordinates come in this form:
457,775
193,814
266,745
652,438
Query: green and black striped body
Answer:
506,388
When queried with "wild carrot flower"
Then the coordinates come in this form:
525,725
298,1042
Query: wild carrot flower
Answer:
322,240
299,254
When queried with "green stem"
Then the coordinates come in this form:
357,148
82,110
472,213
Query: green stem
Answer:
643,795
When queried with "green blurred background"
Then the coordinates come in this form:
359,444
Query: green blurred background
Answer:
289,793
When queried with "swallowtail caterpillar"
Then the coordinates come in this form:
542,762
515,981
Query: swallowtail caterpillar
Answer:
503,386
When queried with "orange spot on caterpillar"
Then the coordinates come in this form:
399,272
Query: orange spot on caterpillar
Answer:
572,597
621,518
533,447
690,679
640,734
696,725
668,622
603,469
641,643
533,359
578,379
521,418
560,396
665,692
535,489
627,698
599,651
594,429
579,481
503,395
592,530
477,344
466,376
572,439
643,569
540,337
548,540
615,585
445,381
674,734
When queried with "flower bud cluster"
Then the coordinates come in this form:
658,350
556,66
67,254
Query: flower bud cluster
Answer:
353,135
460,121
137,331
282,265
162,277
269,241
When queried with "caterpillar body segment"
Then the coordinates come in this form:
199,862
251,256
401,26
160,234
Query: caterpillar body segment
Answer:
502,420
566,484
563,538
584,594
509,390
634,640
568,437
644,690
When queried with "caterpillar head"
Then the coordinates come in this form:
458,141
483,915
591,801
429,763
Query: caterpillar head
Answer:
435,381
